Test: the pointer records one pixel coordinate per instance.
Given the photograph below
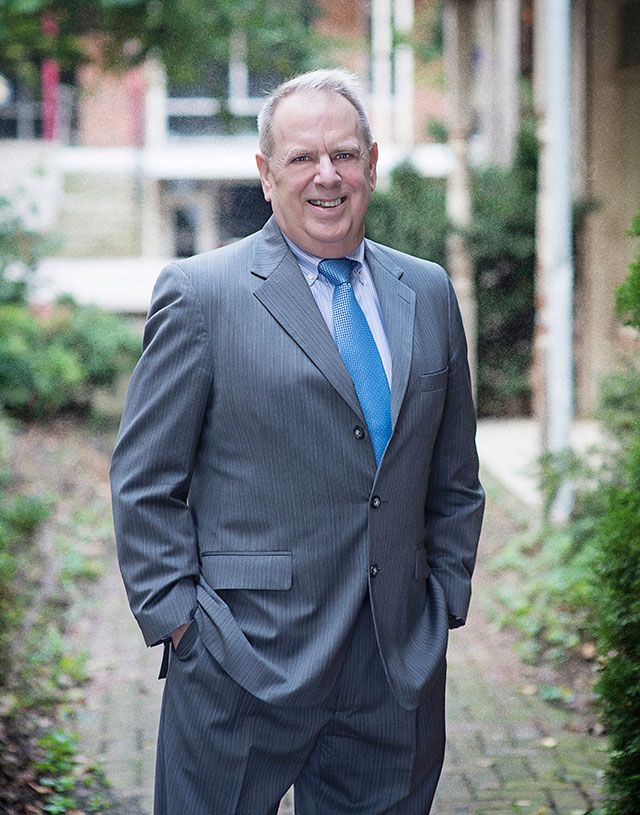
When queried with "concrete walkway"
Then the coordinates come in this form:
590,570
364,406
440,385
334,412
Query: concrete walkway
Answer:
508,750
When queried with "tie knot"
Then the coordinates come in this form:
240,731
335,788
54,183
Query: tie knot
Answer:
337,270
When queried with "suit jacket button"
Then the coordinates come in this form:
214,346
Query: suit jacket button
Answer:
375,501
374,569
358,432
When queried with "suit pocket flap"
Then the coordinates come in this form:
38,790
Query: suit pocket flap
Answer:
422,567
435,381
248,570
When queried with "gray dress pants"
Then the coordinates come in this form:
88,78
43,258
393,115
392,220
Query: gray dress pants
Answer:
222,751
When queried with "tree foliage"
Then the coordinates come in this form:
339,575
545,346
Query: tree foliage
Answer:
616,590
502,244
410,215
52,359
187,35
618,602
628,295
21,249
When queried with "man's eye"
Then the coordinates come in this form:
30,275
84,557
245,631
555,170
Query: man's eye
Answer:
343,156
300,159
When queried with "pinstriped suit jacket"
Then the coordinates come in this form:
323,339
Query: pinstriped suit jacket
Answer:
244,492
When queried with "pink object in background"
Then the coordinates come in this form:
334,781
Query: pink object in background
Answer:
50,76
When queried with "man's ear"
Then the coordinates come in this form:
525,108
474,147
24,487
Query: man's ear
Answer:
373,163
265,175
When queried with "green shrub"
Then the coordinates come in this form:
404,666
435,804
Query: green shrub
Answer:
617,595
21,249
616,586
53,360
20,516
502,244
552,596
410,214
628,295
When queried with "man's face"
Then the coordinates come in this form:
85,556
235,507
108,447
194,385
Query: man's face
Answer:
321,175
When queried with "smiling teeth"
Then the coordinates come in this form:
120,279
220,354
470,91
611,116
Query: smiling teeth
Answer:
326,204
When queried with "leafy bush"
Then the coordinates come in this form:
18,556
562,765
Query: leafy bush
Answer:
553,597
20,516
21,249
617,590
52,361
616,594
628,295
502,245
410,214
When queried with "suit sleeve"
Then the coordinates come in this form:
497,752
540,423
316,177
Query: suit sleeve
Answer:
153,460
455,499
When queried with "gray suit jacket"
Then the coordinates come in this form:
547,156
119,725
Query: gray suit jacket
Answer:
244,492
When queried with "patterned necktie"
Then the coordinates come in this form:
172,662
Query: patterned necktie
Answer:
359,352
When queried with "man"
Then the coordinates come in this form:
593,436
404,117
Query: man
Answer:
296,497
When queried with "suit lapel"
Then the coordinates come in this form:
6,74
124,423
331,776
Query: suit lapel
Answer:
397,302
284,292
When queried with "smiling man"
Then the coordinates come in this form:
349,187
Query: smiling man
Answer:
318,171
296,495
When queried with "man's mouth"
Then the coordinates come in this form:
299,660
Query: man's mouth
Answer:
316,202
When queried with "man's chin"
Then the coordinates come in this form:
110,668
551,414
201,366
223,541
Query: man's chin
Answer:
334,243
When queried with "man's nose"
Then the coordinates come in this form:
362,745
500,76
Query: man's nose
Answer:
326,173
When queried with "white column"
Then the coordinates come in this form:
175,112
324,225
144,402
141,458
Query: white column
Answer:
154,237
381,50
554,232
458,57
484,87
155,107
238,71
404,75
155,136
507,74
579,98
496,89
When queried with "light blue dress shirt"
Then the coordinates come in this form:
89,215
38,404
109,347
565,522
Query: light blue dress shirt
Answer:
364,290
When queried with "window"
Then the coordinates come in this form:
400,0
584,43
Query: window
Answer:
630,34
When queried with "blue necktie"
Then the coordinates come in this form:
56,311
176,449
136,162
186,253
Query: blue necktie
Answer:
359,352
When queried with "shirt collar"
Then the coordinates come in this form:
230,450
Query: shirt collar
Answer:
309,263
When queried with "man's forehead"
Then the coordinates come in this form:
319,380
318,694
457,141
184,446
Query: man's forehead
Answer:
304,101
293,117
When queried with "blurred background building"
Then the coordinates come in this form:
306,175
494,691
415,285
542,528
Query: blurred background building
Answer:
135,168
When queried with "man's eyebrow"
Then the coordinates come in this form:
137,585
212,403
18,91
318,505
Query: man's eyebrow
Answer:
343,147
297,150
348,147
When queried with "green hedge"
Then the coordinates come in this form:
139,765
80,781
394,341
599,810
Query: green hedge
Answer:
617,594
410,215
502,244
20,516
21,249
616,591
53,360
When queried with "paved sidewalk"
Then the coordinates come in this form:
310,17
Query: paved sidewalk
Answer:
508,750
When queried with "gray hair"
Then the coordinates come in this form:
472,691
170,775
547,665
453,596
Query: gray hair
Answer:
334,80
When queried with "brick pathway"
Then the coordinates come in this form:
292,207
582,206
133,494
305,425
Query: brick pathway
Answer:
508,750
